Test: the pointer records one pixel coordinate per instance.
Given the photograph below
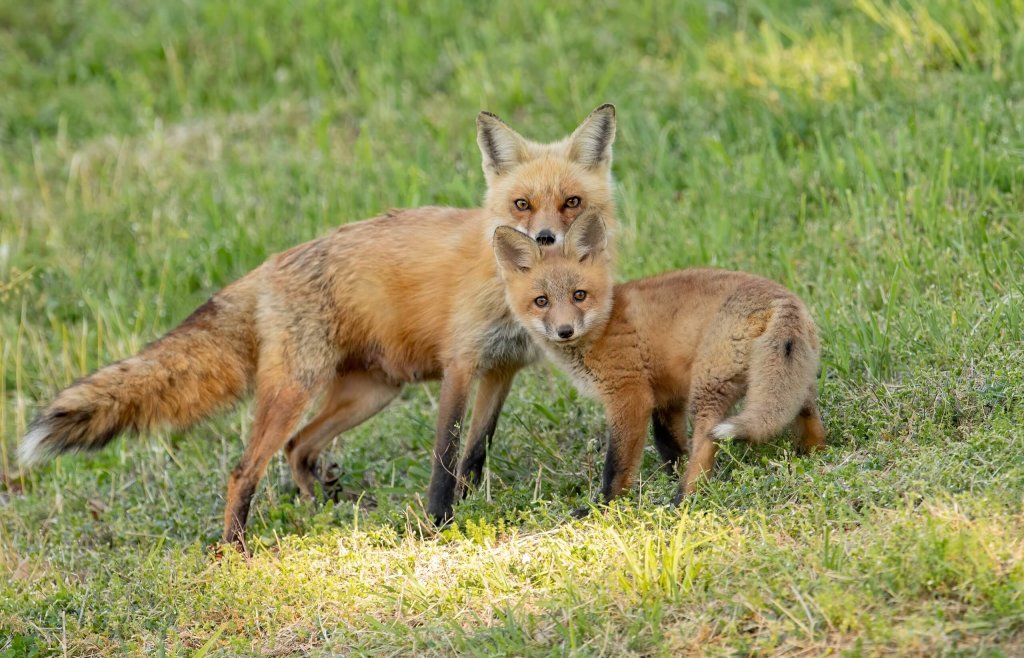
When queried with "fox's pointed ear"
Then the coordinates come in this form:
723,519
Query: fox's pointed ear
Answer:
516,252
591,143
502,147
586,237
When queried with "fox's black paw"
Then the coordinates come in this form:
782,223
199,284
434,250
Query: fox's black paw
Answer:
471,474
581,512
442,519
328,474
466,485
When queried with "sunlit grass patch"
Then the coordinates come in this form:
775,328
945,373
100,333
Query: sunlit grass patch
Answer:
816,70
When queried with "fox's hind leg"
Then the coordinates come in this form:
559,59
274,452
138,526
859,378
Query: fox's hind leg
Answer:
351,399
287,379
711,401
669,429
810,431
279,406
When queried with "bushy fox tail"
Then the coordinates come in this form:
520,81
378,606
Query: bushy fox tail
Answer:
204,364
781,380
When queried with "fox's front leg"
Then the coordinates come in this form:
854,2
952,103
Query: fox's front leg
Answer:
454,395
490,397
628,414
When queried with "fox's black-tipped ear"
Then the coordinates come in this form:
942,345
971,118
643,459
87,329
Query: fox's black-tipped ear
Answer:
516,252
502,147
591,143
586,238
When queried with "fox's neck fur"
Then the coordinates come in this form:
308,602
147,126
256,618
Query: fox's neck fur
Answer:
501,340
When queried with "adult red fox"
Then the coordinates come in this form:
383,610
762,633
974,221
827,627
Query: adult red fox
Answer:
693,340
352,317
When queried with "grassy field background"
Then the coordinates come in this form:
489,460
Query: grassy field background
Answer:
868,154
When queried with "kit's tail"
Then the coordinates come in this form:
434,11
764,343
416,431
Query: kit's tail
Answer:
781,378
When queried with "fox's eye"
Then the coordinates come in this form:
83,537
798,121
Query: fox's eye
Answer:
541,301
572,202
522,204
579,295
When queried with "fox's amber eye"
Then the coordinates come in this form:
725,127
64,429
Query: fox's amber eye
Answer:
522,204
572,202
541,301
579,295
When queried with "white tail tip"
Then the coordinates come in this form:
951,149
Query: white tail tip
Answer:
31,450
723,431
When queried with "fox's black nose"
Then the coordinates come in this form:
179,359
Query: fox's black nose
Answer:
565,331
546,237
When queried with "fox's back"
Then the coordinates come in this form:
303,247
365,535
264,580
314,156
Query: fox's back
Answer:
694,297
673,313
387,292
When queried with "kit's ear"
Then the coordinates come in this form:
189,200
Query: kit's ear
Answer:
586,238
516,252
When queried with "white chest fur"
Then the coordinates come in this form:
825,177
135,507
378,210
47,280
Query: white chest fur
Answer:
570,360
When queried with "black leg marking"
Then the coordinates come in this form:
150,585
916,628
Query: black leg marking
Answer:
473,465
442,484
611,469
665,441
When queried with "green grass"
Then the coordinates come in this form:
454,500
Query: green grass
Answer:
870,155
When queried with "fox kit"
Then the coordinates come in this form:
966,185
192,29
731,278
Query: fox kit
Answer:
350,318
692,341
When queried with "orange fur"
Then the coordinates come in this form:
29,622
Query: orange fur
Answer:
697,339
405,297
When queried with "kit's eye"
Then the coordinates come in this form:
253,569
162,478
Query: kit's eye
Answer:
572,202
541,301
579,295
522,204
